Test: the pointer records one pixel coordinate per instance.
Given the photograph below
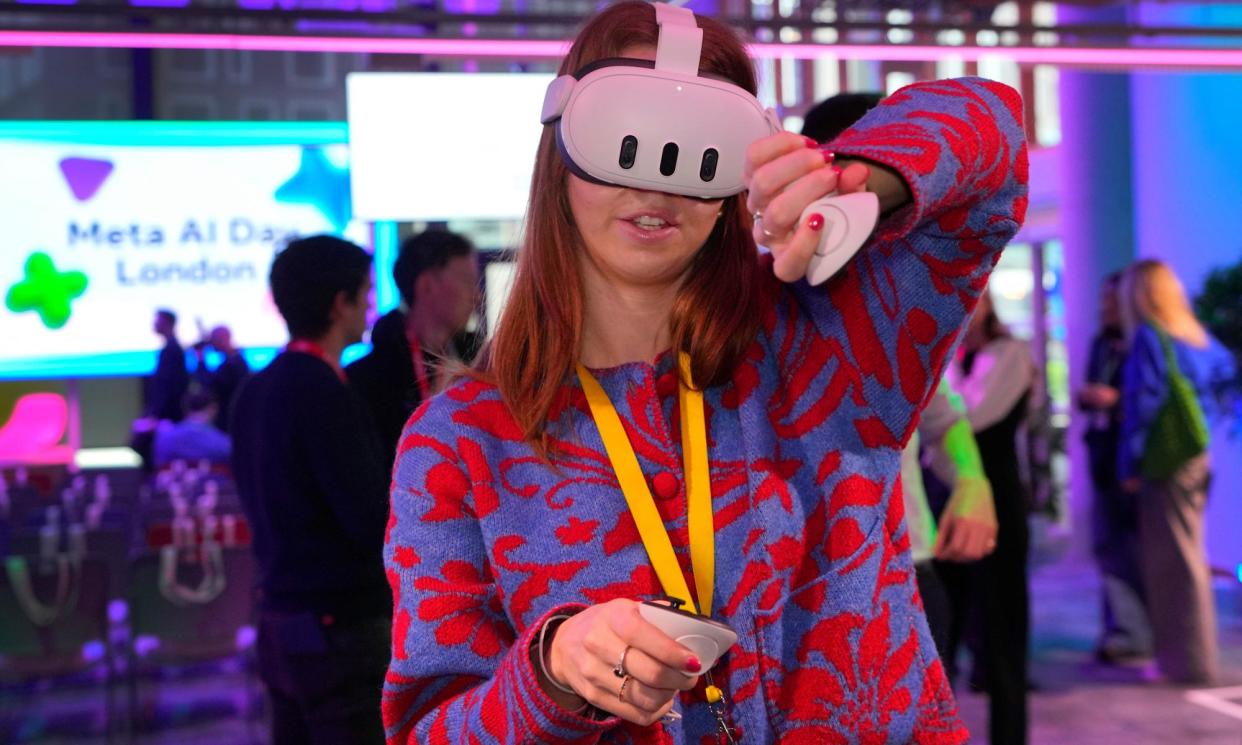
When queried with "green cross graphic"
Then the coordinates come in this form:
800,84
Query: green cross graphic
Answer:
46,290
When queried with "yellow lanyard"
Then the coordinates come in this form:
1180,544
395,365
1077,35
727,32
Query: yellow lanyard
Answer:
638,495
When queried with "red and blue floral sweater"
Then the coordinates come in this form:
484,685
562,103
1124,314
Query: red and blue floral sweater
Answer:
485,540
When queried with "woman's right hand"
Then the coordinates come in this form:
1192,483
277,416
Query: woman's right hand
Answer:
586,646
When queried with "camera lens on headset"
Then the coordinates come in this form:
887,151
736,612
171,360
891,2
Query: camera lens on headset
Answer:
707,169
629,151
668,159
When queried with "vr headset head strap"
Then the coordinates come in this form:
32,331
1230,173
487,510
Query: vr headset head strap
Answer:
681,39
677,50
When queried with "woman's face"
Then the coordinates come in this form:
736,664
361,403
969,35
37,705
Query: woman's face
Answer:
639,237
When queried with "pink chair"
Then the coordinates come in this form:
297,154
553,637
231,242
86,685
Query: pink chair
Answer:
34,432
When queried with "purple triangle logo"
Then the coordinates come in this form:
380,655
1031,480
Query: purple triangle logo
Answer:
85,176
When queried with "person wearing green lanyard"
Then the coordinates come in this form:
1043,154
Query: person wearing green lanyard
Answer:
666,411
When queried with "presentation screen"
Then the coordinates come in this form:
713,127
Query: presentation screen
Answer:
105,222
443,146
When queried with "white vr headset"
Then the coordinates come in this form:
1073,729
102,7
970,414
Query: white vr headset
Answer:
663,127
696,143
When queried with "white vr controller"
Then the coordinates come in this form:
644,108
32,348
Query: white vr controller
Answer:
848,222
707,638
664,127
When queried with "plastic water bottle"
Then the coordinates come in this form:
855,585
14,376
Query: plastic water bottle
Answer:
94,515
103,490
77,540
229,537
206,504
49,534
180,506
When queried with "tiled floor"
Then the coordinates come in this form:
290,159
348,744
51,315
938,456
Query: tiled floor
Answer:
1079,703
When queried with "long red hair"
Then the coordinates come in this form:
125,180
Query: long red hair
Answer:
715,316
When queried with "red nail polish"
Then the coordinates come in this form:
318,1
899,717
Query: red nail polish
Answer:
837,170
815,222
810,142
829,156
693,665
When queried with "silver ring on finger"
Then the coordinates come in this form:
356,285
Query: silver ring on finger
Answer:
625,682
757,217
619,668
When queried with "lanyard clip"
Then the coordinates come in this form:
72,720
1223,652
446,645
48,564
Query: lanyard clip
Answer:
718,705
674,603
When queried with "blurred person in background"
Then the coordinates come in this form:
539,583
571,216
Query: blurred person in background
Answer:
1168,395
195,437
826,120
163,392
437,274
314,486
995,376
227,377
1126,632
167,387
966,530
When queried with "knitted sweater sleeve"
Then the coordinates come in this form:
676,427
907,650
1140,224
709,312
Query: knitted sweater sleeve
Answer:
460,671
895,312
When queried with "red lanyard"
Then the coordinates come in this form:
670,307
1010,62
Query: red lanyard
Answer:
420,368
305,346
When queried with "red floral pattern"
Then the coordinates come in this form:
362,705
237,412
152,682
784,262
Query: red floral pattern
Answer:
487,541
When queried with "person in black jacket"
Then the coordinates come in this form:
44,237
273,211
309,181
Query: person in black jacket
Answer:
1126,632
437,274
315,488
167,387
163,392
225,380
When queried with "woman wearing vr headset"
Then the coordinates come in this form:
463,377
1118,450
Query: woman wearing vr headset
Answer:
664,408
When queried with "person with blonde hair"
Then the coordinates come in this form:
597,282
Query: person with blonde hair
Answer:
1174,366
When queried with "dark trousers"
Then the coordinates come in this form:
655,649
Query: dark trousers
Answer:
324,679
1114,543
936,606
991,595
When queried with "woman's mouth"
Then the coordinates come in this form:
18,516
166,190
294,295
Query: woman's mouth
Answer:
649,225
650,222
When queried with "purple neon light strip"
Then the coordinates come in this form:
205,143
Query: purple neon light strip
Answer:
524,48
518,48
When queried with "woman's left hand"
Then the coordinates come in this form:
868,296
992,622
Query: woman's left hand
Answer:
785,173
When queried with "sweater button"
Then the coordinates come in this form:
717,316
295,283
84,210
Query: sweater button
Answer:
665,485
666,384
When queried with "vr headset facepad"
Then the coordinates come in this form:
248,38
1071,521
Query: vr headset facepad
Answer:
658,126
664,127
